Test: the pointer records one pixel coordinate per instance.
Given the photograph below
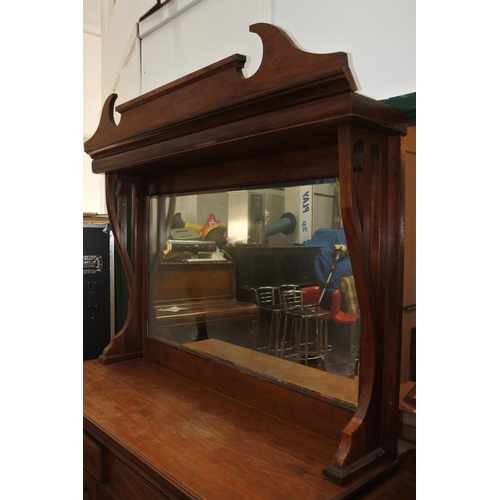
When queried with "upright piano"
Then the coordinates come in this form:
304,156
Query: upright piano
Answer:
199,294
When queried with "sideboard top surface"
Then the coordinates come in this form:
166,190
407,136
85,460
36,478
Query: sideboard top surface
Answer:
172,427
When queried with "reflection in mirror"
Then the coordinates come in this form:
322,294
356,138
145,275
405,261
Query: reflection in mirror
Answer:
260,279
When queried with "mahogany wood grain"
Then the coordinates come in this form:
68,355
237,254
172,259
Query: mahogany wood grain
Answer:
242,172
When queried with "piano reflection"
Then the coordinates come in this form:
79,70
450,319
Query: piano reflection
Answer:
200,294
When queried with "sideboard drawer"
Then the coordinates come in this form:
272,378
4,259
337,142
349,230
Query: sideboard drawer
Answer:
127,483
93,458
90,486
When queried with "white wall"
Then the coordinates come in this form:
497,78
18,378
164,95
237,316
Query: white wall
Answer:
186,35
208,31
93,185
379,36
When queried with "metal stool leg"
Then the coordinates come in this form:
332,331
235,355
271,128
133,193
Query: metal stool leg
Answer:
278,316
306,340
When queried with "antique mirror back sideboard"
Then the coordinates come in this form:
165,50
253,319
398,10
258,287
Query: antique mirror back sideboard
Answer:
168,403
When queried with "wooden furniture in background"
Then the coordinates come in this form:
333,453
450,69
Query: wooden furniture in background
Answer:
176,423
273,266
199,293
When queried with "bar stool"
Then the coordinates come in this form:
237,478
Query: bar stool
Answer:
312,299
267,299
304,322
289,300
286,288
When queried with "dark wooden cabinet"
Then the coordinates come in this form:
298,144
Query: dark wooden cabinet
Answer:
163,421
272,266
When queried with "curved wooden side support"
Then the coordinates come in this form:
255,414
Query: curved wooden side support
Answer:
128,341
370,227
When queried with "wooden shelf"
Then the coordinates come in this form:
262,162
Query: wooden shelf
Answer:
324,384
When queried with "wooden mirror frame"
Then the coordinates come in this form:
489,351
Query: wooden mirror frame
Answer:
297,118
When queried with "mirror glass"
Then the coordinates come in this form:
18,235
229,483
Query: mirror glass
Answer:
259,279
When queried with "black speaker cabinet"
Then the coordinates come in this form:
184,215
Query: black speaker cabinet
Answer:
97,288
